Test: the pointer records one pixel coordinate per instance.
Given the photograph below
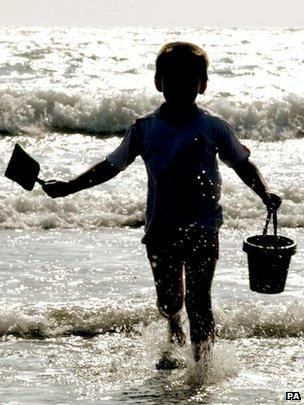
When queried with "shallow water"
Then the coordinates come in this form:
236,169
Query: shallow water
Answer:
78,321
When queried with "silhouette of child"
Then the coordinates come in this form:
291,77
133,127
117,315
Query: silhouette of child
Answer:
179,143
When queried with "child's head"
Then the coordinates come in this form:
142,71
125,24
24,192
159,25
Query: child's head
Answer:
181,72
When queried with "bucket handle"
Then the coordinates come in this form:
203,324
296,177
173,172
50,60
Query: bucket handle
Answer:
275,222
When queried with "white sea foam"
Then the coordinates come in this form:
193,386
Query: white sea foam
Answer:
122,201
233,321
123,206
39,111
257,319
73,320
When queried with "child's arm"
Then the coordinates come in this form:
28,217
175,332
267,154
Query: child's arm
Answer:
251,176
97,174
115,162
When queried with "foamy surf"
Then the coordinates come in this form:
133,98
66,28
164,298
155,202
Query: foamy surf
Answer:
251,319
87,86
121,203
39,112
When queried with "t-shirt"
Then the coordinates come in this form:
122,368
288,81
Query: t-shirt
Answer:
184,182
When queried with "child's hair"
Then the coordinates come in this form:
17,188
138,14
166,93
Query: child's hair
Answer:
177,54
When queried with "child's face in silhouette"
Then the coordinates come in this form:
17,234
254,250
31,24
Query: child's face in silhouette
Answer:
180,87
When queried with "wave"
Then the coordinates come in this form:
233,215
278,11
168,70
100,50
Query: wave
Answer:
39,111
40,212
73,320
233,321
255,319
124,206
35,112
259,120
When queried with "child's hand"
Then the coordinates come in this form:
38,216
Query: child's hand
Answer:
54,188
272,201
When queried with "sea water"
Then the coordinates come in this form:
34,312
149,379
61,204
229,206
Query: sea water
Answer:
78,320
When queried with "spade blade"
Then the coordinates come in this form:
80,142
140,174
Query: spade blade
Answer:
22,168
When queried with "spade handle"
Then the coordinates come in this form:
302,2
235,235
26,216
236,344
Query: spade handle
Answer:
41,182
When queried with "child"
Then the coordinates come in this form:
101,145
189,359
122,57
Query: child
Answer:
179,143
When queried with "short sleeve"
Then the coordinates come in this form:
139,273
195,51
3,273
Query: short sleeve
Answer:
231,151
127,151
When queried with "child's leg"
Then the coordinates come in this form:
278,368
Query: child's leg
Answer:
168,278
198,302
199,271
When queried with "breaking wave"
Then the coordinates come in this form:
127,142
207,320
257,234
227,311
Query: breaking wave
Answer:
39,111
233,321
125,206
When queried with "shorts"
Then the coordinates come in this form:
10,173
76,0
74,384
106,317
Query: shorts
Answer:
187,243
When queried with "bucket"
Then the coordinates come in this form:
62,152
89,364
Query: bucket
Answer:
268,259
23,169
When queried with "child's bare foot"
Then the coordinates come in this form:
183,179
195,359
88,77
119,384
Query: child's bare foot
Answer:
168,361
176,333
